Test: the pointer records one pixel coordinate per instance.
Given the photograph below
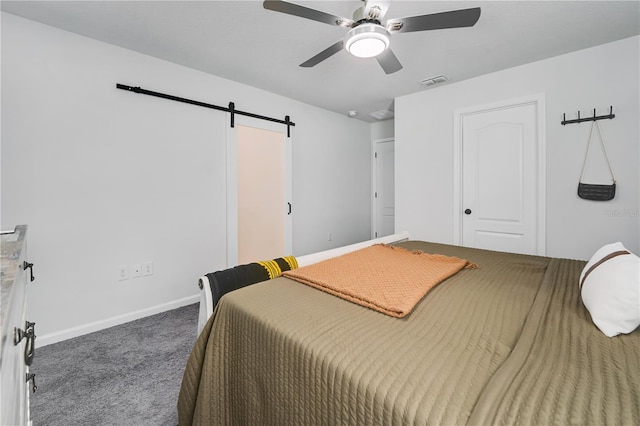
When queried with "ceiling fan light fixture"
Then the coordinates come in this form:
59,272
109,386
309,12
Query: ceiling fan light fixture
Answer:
367,40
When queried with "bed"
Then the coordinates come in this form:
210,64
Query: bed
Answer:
509,342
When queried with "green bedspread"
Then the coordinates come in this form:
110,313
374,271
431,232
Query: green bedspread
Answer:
507,343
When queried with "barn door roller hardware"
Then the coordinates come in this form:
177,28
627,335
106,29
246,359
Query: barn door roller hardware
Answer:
231,109
594,118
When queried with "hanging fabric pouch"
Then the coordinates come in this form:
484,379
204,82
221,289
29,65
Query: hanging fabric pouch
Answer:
596,192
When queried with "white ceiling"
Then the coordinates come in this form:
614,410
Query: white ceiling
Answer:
241,41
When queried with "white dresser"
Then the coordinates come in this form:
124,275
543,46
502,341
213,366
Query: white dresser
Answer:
18,335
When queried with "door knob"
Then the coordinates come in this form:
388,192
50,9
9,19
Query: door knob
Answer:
467,211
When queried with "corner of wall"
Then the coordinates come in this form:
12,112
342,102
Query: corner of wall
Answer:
382,129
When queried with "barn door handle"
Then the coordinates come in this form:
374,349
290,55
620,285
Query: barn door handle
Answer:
467,211
289,212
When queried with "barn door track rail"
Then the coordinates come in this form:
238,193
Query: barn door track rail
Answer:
230,109
594,118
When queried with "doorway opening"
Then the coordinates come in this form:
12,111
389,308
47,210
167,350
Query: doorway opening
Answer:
384,187
259,209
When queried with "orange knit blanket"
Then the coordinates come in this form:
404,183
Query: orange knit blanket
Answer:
385,278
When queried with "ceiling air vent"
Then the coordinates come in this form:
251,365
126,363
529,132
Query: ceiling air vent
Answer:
383,114
433,80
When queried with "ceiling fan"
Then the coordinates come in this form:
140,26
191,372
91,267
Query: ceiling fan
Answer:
368,37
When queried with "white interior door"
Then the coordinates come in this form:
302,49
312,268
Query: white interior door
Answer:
259,209
500,179
384,188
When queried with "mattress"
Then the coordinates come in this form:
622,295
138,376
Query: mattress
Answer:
507,343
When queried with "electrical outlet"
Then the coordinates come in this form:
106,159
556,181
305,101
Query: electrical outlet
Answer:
123,272
136,270
147,268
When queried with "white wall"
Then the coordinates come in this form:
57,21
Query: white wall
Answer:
382,130
105,177
593,78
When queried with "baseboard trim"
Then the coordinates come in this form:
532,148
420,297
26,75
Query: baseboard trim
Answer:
69,333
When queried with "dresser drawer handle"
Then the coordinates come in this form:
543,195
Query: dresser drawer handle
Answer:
30,347
26,265
31,377
30,334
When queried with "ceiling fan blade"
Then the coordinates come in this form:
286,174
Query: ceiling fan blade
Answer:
436,21
305,12
326,53
389,62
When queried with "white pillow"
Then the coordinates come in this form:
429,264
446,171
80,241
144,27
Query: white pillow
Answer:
611,290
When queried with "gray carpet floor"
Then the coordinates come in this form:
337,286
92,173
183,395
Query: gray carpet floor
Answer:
125,375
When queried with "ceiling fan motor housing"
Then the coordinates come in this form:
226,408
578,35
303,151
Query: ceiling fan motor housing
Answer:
366,13
367,37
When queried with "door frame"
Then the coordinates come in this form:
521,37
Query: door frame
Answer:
538,100
374,180
232,183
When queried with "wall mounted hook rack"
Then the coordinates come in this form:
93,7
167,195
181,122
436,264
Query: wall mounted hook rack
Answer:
594,118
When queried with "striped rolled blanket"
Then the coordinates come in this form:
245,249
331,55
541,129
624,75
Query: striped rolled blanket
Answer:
224,281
